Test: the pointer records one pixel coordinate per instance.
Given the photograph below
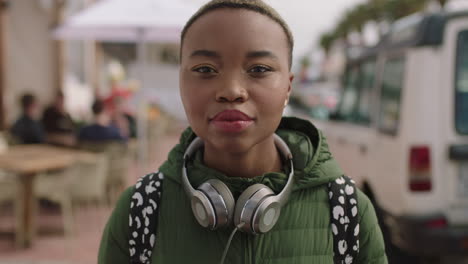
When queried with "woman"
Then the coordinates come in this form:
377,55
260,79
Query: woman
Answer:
235,81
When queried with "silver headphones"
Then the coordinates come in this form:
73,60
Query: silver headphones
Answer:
257,209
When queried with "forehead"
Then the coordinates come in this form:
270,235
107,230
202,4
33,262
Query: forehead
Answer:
235,29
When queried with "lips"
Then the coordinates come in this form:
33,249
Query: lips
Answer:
231,115
231,121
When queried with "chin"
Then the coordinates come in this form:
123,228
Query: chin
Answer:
235,144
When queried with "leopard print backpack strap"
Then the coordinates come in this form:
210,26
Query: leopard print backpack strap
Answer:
344,220
143,219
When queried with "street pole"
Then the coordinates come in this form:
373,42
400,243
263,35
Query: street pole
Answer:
142,105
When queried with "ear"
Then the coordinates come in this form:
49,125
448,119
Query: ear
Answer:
291,78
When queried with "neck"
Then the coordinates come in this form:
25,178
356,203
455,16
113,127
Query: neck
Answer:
102,119
29,114
260,159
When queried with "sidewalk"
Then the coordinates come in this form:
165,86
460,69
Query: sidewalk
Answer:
51,246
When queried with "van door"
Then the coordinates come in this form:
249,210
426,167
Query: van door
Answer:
350,138
388,157
454,99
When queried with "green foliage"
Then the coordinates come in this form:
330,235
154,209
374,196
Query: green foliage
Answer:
358,17
377,10
326,41
396,9
372,11
305,62
442,2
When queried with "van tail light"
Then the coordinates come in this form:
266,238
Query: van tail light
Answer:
420,169
436,223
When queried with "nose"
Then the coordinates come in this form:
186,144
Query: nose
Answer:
232,91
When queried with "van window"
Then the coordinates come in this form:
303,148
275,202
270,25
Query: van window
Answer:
390,95
350,93
367,77
355,105
461,84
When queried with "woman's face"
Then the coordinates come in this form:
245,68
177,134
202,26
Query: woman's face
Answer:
234,78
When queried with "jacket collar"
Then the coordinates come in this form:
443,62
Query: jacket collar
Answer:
313,162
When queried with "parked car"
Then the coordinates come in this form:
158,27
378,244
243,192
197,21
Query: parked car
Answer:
401,131
316,99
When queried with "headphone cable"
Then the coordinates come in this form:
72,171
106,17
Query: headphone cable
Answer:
229,242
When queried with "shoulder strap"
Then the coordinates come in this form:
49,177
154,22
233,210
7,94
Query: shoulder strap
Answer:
145,202
344,219
143,220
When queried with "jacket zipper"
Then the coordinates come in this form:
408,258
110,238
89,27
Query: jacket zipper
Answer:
246,247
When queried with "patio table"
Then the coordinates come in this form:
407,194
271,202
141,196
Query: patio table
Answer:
26,161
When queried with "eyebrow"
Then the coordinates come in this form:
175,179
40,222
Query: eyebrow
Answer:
250,54
205,53
261,54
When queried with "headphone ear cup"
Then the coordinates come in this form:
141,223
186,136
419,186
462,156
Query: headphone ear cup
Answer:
226,194
266,215
203,210
248,203
221,200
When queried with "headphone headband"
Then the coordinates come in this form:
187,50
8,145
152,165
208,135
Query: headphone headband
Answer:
213,204
198,143
194,145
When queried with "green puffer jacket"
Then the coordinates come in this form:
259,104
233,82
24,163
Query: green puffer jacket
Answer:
301,235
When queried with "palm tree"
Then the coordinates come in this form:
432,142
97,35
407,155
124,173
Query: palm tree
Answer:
396,9
377,13
326,42
305,64
352,21
343,28
442,2
359,16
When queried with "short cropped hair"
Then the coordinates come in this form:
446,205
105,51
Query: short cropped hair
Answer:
97,107
254,5
27,100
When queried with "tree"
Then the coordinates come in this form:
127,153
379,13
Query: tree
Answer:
326,42
358,17
305,64
442,2
343,28
377,11
396,9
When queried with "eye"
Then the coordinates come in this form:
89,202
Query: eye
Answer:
260,69
204,70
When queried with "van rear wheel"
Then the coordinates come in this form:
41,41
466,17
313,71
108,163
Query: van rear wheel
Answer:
395,254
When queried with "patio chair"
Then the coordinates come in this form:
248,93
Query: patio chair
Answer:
9,182
8,190
7,187
90,184
10,139
119,161
56,186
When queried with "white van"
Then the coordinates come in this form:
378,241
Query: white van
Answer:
401,131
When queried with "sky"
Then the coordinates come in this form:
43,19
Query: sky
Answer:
308,19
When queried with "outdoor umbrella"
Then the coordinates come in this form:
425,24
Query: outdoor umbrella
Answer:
128,21
137,21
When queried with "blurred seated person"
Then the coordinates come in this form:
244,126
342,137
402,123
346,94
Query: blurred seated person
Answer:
58,125
120,116
27,129
101,130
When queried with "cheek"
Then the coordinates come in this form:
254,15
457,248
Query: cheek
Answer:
194,99
272,99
